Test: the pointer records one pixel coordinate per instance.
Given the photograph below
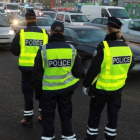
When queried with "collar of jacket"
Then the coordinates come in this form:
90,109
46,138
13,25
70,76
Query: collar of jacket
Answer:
57,37
112,36
30,24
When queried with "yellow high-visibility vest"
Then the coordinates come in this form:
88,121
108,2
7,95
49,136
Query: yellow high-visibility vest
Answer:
58,63
29,45
114,68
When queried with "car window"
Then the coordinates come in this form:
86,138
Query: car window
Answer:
60,17
134,25
90,35
104,13
67,19
50,14
97,21
78,18
119,13
44,22
21,23
68,36
3,22
105,21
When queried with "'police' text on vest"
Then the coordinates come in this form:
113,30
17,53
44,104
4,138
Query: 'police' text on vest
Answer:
60,63
33,42
121,60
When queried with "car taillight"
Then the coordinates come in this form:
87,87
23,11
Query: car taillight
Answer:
40,14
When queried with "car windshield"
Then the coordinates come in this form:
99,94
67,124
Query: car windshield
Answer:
28,9
119,13
12,7
90,35
44,22
1,4
135,25
50,14
2,11
39,4
78,18
3,22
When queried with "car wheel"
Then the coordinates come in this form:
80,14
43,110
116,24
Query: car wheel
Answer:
86,64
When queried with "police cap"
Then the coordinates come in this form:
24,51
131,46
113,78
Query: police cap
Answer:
30,15
114,23
57,26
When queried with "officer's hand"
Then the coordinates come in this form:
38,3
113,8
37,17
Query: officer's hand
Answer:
85,91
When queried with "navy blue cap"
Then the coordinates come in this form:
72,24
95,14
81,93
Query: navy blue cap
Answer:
114,23
57,26
30,13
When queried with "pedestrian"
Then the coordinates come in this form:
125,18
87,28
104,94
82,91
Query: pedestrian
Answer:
25,45
56,74
106,78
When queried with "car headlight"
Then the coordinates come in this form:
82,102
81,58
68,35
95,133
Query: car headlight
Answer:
11,32
15,22
8,11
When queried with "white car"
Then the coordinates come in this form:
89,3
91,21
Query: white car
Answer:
6,33
71,18
131,31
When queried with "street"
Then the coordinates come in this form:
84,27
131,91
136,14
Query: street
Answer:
11,107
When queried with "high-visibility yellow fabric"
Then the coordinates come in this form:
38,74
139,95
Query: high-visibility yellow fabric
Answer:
56,78
113,76
28,53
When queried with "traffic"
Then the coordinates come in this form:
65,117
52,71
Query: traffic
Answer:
59,48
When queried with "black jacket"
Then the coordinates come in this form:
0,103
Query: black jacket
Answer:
97,60
15,46
38,71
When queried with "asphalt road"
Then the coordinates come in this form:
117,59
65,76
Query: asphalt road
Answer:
11,107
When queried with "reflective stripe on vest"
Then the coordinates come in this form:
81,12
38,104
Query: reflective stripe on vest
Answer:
61,77
113,76
29,45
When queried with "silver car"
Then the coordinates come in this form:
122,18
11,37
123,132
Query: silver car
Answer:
6,33
42,22
131,31
71,18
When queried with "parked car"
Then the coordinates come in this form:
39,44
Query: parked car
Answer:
6,33
11,18
92,11
131,31
51,13
71,18
42,22
86,39
101,22
23,10
11,8
2,10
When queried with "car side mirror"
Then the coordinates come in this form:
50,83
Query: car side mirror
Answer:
67,21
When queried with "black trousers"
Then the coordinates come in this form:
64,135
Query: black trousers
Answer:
97,104
28,92
65,111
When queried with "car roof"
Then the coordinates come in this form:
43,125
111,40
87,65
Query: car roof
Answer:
114,7
82,27
39,18
69,13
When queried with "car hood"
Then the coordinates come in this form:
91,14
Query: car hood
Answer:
47,28
4,30
135,47
88,48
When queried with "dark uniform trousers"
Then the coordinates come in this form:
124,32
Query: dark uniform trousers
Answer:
65,111
97,104
28,92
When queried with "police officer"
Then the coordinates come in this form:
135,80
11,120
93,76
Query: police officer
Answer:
106,78
60,67
25,45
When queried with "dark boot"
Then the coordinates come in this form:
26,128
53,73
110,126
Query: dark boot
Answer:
27,123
